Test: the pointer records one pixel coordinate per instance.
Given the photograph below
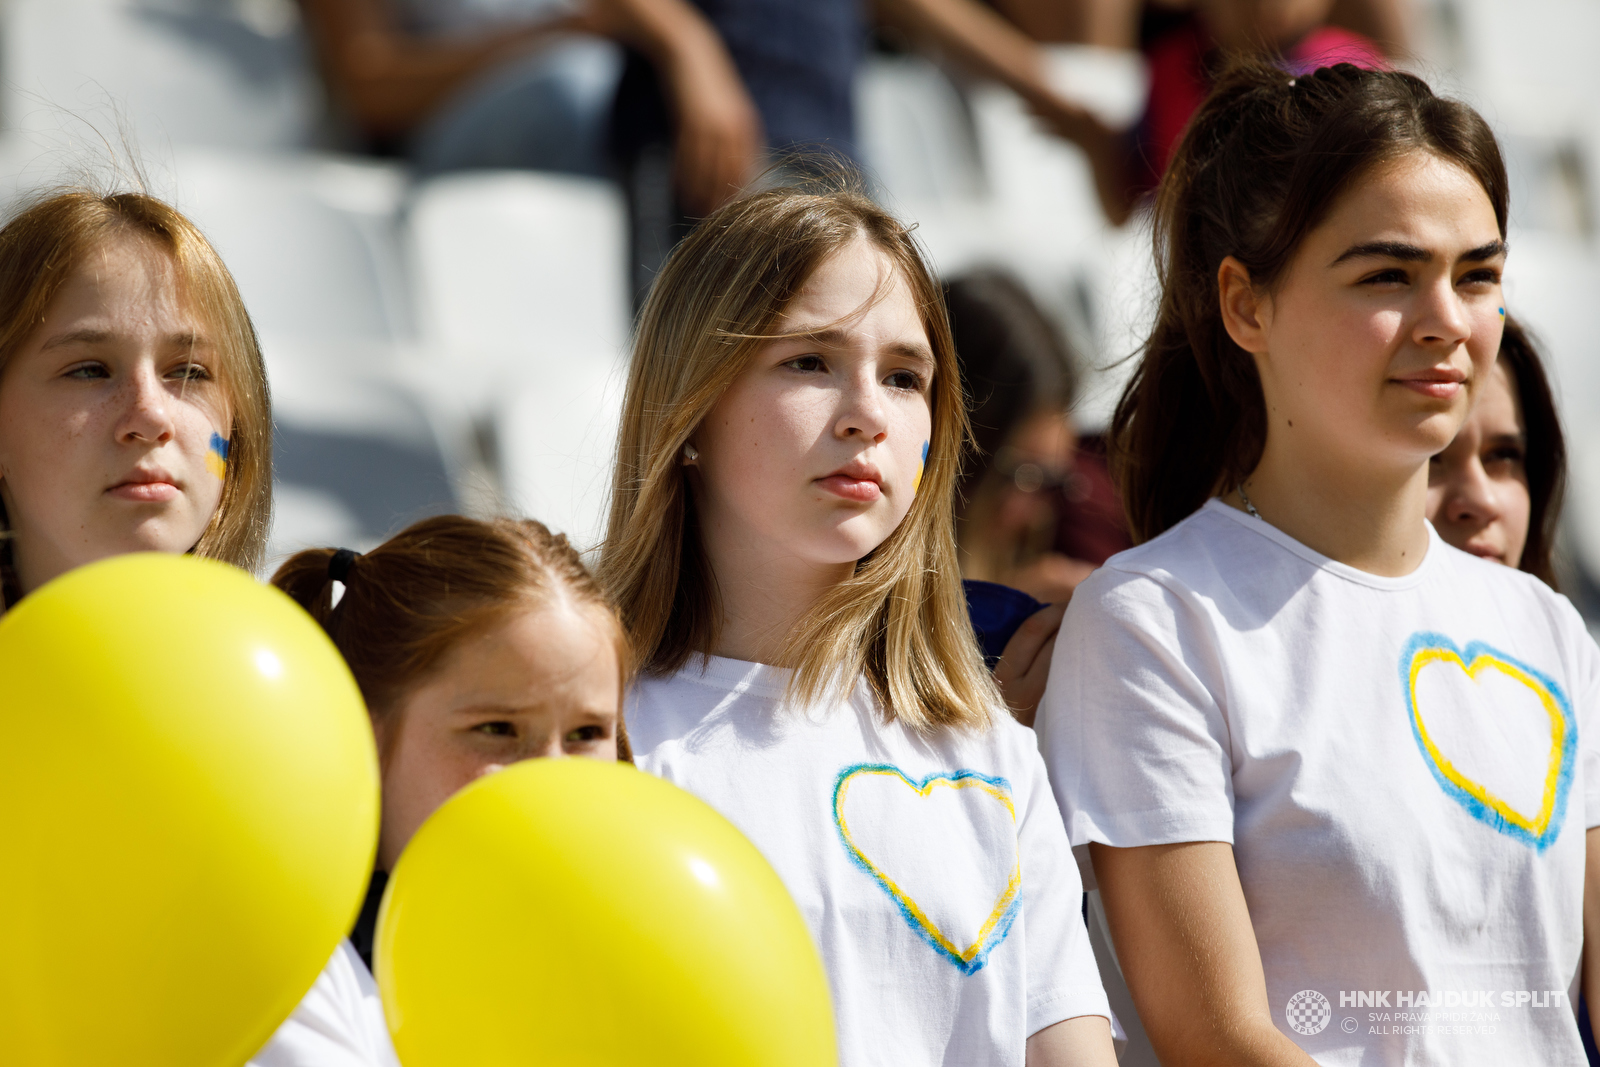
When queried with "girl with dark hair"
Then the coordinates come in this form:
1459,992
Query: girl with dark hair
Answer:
475,645
1335,776
1496,491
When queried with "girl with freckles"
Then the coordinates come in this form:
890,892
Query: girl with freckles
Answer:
781,551
1339,780
134,413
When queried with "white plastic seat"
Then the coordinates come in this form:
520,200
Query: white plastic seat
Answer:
228,73
358,453
310,239
516,272
523,308
916,138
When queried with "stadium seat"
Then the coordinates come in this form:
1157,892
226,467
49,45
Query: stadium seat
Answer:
226,73
523,309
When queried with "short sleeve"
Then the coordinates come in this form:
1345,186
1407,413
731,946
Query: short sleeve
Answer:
1130,725
1063,979
1586,709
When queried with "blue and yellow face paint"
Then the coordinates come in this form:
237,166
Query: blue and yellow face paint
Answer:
916,481
1502,312
217,456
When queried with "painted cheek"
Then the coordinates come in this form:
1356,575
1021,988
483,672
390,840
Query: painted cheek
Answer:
916,481
217,456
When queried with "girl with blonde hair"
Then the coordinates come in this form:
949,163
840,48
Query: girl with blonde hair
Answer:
781,550
134,412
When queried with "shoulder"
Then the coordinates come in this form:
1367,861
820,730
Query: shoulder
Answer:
1205,552
707,691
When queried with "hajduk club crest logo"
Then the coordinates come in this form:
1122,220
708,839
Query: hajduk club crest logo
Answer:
1308,1012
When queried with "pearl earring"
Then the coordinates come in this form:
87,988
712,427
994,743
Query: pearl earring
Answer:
690,453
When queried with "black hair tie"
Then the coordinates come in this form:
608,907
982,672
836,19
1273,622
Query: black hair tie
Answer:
340,564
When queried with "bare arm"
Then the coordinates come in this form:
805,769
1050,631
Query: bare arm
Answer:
391,80
1183,936
719,136
981,39
1084,1041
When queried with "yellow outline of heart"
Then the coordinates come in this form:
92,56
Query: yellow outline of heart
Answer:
1558,734
970,959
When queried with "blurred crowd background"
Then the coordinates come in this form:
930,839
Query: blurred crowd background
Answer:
442,213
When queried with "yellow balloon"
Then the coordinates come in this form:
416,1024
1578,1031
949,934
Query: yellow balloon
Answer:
569,911
188,814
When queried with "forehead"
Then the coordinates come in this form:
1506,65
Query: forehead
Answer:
126,273
856,286
1419,199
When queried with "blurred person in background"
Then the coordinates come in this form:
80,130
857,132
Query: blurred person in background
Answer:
1028,490
1496,491
704,96
1184,43
1129,24
1019,379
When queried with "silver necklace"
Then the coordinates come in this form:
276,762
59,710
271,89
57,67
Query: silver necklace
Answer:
1244,498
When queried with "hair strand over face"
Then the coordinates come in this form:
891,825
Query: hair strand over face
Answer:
901,619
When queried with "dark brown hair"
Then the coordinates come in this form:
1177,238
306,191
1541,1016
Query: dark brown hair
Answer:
1261,164
410,600
1544,448
1013,360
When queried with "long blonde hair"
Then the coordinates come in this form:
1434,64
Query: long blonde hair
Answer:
48,240
901,618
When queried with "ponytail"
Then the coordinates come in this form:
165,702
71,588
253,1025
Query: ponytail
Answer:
409,601
1261,164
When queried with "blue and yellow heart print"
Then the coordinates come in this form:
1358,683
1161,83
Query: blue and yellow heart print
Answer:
943,848
916,481
1479,662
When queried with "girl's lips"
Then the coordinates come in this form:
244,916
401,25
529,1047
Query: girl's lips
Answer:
145,492
857,489
1429,387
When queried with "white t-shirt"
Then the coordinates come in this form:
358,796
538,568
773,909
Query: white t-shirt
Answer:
340,1022
933,870
1404,766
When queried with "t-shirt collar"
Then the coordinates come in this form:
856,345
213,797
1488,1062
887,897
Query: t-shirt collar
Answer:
1332,566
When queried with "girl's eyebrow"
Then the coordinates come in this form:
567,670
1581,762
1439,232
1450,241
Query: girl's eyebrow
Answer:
86,336
835,337
90,335
490,709
1409,253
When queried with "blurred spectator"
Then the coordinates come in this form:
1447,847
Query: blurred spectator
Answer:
463,84
1184,44
1129,23
711,92
1019,380
1496,491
